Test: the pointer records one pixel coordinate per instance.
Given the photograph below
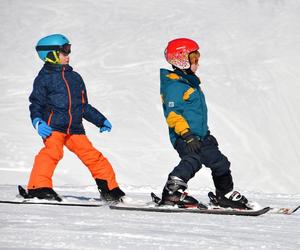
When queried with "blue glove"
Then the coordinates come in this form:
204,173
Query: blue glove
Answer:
106,126
42,128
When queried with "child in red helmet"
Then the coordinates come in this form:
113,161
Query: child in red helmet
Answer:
58,104
185,110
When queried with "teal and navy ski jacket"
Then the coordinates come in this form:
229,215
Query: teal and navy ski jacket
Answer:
59,98
183,104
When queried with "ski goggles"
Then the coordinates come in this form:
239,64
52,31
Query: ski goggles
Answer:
194,57
65,48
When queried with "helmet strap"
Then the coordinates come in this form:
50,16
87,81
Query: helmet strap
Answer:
52,57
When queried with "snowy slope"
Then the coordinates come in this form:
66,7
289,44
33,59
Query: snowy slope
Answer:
102,228
250,74
249,69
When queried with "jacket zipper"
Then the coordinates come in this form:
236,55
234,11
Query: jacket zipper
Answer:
50,117
70,100
82,100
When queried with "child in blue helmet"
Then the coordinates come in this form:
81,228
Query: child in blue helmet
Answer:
186,115
58,104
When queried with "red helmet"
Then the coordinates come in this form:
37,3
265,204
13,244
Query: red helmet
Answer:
178,50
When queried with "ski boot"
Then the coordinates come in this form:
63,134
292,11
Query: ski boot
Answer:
43,193
115,194
232,199
173,194
225,197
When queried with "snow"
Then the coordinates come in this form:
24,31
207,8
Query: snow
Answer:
250,74
102,228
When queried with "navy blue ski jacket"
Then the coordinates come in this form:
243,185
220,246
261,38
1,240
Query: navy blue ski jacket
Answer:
59,98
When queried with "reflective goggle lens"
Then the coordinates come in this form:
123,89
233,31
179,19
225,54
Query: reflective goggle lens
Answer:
65,49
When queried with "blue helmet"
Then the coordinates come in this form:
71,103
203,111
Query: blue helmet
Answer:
53,43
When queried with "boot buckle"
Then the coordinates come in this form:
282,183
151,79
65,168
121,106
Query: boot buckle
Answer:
183,195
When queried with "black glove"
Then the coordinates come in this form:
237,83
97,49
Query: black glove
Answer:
192,142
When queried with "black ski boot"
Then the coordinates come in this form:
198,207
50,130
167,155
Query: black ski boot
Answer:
225,197
233,199
173,194
43,193
115,194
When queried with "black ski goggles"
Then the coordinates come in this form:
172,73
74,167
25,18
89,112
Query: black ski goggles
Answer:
65,49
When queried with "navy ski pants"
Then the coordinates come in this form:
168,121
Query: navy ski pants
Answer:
209,155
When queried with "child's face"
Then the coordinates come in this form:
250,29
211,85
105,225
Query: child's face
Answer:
194,61
64,58
194,67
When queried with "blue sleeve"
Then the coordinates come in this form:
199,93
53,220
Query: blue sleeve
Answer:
91,114
37,99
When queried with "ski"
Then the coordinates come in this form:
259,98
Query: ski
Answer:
200,209
284,210
154,206
50,203
62,201
168,209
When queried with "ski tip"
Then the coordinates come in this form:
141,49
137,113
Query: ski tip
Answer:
285,210
296,209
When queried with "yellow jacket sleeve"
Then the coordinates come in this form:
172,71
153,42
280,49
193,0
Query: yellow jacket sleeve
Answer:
177,122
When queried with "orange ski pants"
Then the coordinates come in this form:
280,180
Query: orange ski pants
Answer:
49,156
